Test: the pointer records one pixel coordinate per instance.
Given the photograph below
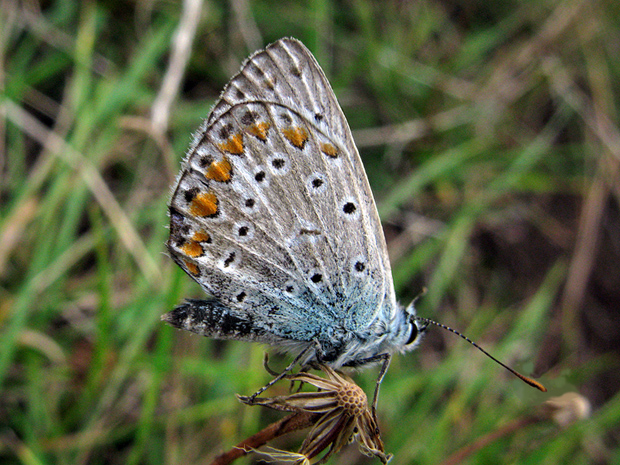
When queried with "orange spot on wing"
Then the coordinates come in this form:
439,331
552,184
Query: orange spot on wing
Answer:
259,130
192,249
329,150
234,144
219,171
204,204
296,136
200,236
193,269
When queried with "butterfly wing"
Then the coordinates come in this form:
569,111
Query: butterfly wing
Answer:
272,213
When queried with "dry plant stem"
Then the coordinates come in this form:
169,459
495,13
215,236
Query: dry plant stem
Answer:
181,51
293,422
461,455
563,411
583,259
246,24
600,119
409,131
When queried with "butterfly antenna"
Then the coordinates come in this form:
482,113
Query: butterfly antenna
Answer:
524,378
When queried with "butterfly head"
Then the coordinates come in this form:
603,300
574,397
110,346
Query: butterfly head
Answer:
414,328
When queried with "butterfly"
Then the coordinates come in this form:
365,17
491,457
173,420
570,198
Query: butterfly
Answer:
273,216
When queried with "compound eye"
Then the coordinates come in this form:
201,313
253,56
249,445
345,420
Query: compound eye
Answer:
413,335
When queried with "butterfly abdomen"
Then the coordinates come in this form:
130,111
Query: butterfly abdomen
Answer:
213,319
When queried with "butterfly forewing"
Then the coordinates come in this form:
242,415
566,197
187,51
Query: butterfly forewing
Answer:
272,213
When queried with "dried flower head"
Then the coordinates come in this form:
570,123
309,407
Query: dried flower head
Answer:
567,408
344,417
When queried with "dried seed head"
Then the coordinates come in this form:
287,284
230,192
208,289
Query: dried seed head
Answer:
343,417
567,408
351,399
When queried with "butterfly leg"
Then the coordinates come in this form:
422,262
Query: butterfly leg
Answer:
266,366
385,360
274,373
286,371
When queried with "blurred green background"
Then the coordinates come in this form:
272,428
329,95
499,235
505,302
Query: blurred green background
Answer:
489,134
